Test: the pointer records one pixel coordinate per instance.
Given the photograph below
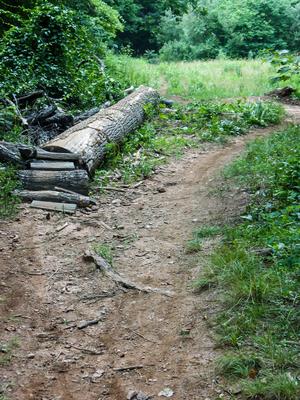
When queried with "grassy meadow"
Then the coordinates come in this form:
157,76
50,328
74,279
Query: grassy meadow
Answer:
200,80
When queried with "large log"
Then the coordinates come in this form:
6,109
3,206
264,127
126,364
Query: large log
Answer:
55,196
76,180
89,138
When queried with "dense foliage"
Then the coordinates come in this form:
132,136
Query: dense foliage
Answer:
141,20
55,48
257,267
230,28
287,68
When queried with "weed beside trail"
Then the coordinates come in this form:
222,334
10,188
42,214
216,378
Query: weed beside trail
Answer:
257,268
168,132
8,182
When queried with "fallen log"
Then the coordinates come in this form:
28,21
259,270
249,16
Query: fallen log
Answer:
55,196
15,153
106,268
76,180
89,138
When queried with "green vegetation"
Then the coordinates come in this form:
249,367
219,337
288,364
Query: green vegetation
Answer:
7,351
257,269
219,28
287,68
105,251
51,46
199,234
170,132
8,182
200,80
141,21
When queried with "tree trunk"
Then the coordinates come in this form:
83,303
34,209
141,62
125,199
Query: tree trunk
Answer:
77,180
54,196
90,137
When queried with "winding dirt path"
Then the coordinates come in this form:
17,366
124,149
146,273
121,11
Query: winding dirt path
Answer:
141,342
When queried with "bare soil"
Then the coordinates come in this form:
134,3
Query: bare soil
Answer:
142,342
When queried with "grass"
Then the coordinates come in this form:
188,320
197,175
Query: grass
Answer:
105,251
199,234
260,290
7,351
168,134
8,182
200,80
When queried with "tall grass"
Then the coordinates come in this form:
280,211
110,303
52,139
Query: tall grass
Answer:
200,80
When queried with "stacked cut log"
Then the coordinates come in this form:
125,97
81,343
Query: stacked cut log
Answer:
68,161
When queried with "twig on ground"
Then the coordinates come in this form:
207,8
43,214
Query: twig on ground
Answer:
106,268
128,368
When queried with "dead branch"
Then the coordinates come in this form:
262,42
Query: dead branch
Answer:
106,268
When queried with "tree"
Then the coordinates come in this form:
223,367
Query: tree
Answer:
141,19
235,28
57,49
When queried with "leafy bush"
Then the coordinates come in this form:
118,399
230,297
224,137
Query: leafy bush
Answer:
59,50
214,121
287,67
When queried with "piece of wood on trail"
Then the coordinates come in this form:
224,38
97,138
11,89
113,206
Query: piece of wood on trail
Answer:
53,165
50,206
106,268
76,180
55,196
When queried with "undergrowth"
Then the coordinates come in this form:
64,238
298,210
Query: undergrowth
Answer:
168,132
200,80
105,251
257,269
8,182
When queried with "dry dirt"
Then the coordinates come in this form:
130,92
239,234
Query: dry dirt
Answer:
47,290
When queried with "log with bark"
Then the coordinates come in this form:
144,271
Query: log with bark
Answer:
55,196
90,137
76,180
15,153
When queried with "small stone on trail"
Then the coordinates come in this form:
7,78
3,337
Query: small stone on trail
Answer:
161,189
166,392
134,395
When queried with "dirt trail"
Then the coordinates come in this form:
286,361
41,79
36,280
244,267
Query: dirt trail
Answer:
48,290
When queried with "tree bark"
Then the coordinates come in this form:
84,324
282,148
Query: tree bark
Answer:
14,153
77,180
89,138
55,196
